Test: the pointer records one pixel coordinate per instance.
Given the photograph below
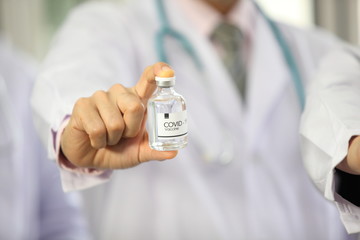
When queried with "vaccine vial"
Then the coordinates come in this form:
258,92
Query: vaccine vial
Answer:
167,120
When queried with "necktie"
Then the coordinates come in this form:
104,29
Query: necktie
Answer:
228,39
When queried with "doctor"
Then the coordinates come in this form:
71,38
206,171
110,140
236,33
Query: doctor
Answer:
32,204
241,176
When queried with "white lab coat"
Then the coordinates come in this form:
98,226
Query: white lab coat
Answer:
32,203
264,193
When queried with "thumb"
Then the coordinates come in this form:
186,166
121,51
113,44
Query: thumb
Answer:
147,85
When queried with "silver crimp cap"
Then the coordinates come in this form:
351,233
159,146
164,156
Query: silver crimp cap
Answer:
165,81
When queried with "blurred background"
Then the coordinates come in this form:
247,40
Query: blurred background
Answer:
31,24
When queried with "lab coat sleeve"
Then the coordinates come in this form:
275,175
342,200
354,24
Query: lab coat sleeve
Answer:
60,215
85,56
331,117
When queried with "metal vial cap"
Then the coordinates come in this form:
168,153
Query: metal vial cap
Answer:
165,81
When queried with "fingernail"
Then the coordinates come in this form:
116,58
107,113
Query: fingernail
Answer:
166,71
165,68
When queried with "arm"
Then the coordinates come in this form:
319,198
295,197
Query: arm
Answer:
76,66
80,76
329,122
81,61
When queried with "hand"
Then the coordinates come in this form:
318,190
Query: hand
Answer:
107,130
351,164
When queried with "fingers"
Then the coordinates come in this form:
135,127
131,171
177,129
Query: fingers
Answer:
161,155
87,118
148,154
146,85
130,107
111,117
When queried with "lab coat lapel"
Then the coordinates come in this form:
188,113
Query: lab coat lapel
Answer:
267,78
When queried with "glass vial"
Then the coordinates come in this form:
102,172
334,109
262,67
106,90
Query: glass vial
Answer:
167,120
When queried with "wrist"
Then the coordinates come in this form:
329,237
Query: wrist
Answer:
351,163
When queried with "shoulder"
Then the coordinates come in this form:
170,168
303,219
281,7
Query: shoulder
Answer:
105,14
103,19
97,9
111,11
313,38
309,45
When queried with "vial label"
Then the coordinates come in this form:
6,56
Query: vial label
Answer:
171,125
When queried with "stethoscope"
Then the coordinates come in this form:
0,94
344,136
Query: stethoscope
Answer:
167,30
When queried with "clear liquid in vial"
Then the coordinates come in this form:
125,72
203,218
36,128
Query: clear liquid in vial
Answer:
167,120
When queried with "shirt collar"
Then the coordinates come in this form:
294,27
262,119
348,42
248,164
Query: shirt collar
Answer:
206,19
